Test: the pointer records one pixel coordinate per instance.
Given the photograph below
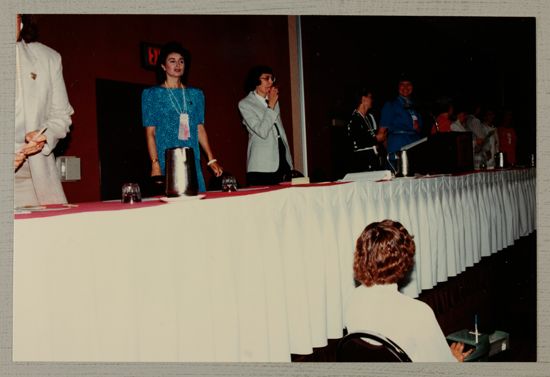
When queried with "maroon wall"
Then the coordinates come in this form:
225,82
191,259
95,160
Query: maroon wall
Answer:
223,48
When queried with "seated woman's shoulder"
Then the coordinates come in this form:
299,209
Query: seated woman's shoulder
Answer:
418,304
425,308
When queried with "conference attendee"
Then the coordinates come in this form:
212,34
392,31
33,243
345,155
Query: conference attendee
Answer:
384,254
473,123
460,123
363,139
268,155
507,138
173,114
443,114
42,118
400,122
489,146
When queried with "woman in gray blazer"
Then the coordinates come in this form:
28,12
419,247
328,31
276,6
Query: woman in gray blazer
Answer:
268,159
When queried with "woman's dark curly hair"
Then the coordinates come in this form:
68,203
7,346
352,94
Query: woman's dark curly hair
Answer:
166,50
358,95
384,253
253,76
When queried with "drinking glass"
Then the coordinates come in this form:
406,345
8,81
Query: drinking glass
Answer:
131,193
229,183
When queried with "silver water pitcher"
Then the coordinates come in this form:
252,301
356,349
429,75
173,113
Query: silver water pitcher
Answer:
403,168
181,174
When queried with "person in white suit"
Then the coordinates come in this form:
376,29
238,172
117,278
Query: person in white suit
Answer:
41,102
268,159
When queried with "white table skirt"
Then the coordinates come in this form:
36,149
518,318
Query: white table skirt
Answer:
245,278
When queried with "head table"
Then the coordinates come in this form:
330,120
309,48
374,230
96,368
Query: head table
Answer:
248,276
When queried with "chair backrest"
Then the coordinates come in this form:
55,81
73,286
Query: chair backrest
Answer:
355,348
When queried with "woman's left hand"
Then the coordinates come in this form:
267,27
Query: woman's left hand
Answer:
32,148
217,169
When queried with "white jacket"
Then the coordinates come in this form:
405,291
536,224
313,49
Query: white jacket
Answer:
45,104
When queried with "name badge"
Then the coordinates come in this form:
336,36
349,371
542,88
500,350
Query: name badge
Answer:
183,132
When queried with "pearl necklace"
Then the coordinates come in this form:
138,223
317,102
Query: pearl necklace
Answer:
174,100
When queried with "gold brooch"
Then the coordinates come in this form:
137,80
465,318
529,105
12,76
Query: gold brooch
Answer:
33,75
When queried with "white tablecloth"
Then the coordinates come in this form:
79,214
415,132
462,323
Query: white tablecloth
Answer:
244,278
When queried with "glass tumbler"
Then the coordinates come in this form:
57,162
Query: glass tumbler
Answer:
229,183
131,193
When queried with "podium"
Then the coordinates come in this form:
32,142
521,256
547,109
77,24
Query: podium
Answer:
443,153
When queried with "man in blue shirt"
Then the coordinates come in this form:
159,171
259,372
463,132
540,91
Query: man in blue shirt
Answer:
400,122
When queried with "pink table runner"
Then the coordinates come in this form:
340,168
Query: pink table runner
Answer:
66,209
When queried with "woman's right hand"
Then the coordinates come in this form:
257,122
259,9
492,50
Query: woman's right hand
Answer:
457,349
155,169
19,159
273,97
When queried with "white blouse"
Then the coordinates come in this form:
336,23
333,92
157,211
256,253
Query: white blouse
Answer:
408,322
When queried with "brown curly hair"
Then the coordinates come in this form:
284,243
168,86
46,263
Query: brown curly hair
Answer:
384,253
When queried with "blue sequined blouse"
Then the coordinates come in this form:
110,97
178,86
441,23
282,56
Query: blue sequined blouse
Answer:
162,110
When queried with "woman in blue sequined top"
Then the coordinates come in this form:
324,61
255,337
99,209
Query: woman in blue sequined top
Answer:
173,114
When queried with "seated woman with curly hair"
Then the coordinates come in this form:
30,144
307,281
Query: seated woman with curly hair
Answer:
384,254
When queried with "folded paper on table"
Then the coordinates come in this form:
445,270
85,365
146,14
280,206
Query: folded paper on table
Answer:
370,176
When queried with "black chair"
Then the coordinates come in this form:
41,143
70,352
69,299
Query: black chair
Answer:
355,348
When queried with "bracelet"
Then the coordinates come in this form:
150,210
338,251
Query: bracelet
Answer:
154,160
211,161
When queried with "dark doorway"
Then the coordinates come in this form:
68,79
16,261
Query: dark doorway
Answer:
123,153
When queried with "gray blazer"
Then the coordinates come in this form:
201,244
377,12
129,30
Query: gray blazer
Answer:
263,152
45,103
